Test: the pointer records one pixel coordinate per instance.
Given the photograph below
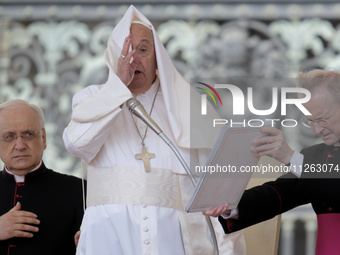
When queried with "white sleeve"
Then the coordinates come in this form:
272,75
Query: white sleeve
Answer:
93,112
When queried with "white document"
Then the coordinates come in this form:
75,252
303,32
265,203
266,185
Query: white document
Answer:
229,163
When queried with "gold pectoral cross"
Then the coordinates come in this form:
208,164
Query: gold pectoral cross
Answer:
145,156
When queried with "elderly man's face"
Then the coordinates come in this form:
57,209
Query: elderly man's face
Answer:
142,42
22,139
325,110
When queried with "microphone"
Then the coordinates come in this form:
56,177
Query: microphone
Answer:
138,109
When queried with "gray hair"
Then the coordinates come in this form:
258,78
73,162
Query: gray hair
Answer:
317,77
18,102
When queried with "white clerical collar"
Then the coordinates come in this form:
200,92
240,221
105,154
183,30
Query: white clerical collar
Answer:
21,178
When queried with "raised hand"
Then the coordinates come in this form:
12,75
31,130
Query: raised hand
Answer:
126,66
274,145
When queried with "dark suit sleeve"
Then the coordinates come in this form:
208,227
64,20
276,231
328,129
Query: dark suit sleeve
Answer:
268,200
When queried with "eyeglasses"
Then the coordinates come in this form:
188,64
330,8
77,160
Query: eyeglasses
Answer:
319,122
25,136
323,122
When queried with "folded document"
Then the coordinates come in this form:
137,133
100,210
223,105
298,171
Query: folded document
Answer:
228,170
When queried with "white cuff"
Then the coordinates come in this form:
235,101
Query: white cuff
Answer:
233,214
296,162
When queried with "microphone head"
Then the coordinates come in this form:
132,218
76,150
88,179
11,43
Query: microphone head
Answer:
137,109
132,103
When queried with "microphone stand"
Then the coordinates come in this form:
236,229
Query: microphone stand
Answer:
193,180
137,109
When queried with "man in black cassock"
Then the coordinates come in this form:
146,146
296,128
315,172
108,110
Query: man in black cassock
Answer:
40,210
318,181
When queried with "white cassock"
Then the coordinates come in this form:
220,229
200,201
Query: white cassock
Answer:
131,211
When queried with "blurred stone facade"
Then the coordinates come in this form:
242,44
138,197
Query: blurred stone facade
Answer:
51,49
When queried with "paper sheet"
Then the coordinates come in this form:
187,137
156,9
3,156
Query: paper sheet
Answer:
227,171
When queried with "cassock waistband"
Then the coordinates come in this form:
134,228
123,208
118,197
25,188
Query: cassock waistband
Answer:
327,241
132,185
